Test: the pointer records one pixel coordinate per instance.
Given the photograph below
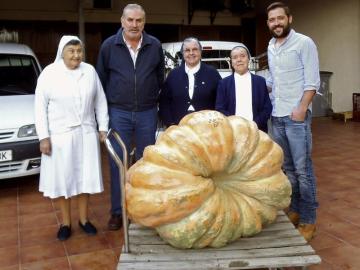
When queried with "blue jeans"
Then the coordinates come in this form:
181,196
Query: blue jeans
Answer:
295,139
135,129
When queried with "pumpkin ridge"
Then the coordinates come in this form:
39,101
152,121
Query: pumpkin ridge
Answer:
170,178
193,226
194,158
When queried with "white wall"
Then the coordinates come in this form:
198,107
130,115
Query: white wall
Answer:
335,27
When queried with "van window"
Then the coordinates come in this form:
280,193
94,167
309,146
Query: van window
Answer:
18,74
218,64
215,53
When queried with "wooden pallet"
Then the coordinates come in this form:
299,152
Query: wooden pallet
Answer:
278,245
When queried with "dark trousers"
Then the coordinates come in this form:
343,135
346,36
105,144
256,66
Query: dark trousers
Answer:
135,129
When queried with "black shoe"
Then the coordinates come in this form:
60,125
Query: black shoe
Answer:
88,228
64,232
115,222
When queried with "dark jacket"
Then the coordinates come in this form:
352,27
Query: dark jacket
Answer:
261,104
127,87
175,100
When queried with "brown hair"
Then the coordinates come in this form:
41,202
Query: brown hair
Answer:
278,5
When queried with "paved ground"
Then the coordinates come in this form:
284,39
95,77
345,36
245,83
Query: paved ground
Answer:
29,222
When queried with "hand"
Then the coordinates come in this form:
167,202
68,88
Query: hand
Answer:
45,146
102,136
298,114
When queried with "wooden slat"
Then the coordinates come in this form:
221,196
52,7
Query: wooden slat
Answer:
277,245
238,245
143,231
193,255
225,264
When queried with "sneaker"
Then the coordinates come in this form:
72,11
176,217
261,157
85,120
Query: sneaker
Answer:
88,228
294,218
115,222
307,230
64,232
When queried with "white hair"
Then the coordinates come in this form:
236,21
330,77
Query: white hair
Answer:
132,7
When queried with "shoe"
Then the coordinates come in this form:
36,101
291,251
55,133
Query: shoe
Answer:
307,230
64,232
88,228
294,218
115,222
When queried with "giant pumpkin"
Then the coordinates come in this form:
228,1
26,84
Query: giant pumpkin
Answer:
208,181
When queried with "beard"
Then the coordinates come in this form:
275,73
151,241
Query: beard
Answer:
286,29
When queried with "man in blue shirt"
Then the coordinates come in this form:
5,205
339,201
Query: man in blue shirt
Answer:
131,68
293,82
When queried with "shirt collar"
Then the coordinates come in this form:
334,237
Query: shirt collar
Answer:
192,70
128,44
291,33
247,74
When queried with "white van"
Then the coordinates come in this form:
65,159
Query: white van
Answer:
215,53
19,145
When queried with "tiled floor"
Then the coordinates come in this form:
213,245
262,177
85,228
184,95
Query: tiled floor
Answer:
29,222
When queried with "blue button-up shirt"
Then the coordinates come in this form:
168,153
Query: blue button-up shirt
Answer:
294,68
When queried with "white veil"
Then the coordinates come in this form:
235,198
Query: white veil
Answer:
63,41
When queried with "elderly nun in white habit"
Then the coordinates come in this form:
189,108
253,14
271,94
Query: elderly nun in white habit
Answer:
71,116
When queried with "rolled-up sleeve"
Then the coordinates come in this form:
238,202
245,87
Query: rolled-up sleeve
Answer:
310,60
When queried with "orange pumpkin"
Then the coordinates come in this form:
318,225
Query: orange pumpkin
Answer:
208,181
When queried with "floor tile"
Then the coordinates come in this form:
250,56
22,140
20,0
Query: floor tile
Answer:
344,231
8,197
98,260
325,240
30,221
101,210
86,244
8,224
41,252
51,264
9,256
14,267
115,238
99,199
32,196
323,266
342,257
346,212
39,235
9,237
8,211
36,208
353,239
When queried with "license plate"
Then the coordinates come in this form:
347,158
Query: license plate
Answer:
5,155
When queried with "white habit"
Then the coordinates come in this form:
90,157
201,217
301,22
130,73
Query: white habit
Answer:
243,95
70,106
